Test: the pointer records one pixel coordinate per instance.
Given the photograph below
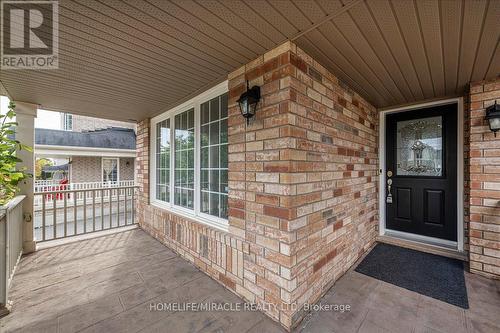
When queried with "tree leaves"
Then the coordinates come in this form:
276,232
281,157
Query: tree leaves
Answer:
10,175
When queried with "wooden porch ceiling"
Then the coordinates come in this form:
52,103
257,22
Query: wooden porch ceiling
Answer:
131,59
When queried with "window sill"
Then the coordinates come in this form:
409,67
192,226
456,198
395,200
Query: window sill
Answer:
220,225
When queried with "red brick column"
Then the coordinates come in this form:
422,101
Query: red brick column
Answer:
484,171
259,182
142,168
303,178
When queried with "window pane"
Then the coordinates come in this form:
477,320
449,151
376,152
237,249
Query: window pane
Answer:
213,162
205,113
204,135
223,132
223,181
214,204
214,180
214,156
163,160
214,109
214,133
110,169
223,156
184,159
204,157
223,206
420,147
204,179
223,107
204,203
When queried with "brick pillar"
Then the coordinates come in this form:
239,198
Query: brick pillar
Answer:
259,188
484,173
302,179
142,169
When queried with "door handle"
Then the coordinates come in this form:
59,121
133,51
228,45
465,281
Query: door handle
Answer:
389,187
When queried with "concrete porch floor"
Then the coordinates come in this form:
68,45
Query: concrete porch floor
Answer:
107,284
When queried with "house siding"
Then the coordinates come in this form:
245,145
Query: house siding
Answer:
483,188
89,169
302,187
84,123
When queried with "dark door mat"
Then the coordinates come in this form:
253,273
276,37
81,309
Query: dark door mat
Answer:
427,274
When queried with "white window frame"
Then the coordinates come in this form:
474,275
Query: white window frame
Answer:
65,117
195,214
117,168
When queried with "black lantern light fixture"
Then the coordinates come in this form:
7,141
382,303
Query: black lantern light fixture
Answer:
248,102
493,117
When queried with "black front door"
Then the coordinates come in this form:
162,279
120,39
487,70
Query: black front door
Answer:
421,179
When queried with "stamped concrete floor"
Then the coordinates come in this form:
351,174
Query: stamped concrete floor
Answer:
108,284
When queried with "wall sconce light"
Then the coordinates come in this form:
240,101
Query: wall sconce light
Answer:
248,102
493,117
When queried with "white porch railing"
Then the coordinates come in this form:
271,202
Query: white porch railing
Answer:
70,212
54,185
46,182
11,247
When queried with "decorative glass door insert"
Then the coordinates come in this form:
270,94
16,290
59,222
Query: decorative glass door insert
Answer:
420,147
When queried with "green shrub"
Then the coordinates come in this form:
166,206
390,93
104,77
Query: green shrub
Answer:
10,176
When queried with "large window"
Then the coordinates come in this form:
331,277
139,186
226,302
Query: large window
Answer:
190,151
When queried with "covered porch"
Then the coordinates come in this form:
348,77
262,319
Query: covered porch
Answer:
370,127
111,283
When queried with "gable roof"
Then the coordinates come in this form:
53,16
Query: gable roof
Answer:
113,137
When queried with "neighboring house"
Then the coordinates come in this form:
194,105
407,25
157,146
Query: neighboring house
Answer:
85,149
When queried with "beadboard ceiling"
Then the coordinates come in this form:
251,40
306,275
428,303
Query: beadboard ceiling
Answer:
131,59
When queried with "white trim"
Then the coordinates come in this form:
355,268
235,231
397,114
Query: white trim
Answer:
218,90
197,162
193,214
437,242
82,151
460,175
459,244
211,221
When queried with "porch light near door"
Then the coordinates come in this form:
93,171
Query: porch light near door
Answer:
248,102
493,117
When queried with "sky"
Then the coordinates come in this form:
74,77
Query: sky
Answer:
48,119
4,104
44,119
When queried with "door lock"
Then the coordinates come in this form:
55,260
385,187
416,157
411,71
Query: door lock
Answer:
389,186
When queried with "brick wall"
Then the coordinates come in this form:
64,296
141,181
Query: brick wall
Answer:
88,169
302,187
303,177
484,173
84,123
127,168
142,163
85,169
